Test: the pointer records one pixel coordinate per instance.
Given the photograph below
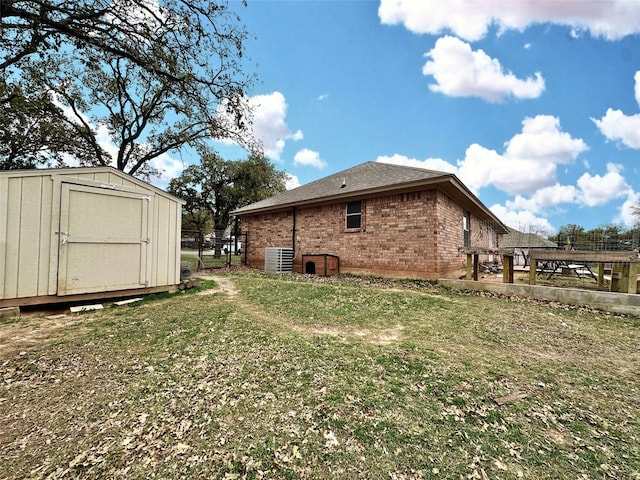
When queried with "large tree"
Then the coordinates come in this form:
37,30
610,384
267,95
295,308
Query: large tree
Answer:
34,132
220,186
157,74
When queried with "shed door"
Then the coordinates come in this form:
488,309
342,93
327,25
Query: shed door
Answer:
103,240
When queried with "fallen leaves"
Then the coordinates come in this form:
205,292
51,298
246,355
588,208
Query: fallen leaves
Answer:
330,440
208,387
513,397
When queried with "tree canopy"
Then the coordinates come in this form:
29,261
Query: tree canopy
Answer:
608,237
219,186
34,132
156,75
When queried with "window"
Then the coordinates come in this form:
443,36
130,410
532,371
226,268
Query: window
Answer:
354,214
466,227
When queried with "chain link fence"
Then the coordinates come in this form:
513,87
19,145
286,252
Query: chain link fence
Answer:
202,250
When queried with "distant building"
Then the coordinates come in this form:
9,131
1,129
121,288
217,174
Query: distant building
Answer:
522,244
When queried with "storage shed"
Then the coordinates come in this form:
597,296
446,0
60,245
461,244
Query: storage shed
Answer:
82,233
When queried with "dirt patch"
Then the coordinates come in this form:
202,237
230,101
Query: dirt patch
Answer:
224,285
383,337
35,329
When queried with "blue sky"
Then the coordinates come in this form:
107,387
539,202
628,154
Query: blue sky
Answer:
534,105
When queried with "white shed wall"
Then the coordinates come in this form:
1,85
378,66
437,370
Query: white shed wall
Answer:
30,210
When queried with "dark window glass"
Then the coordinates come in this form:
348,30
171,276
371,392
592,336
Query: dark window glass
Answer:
466,227
354,214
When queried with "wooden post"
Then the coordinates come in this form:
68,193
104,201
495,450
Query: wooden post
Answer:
533,266
600,275
476,266
633,278
507,269
469,266
615,277
624,278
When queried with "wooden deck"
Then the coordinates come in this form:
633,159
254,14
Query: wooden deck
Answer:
624,273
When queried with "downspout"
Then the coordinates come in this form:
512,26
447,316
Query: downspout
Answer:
293,232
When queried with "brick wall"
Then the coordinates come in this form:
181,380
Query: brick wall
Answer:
266,230
416,234
450,237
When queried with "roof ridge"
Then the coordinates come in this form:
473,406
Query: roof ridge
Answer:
441,172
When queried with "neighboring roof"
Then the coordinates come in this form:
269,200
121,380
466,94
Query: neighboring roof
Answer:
518,239
84,171
369,180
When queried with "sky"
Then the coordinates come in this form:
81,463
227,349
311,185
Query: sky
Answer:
534,105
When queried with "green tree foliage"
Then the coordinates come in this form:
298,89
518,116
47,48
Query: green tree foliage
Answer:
35,132
219,186
568,236
157,75
194,215
609,237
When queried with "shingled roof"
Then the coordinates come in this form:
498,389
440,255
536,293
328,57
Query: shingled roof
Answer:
518,239
368,180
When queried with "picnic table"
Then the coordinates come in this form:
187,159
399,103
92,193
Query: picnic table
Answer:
624,279
581,270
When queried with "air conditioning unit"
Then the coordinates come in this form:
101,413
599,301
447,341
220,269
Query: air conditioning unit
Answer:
278,260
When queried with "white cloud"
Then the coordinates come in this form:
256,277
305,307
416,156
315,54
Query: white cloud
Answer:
529,162
544,199
542,141
322,97
430,163
137,16
518,214
291,182
169,168
590,191
269,123
482,167
460,71
612,19
575,33
103,137
309,158
626,213
617,126
528,165
528,169
523,220
600,189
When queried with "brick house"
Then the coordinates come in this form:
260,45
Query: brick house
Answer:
378,219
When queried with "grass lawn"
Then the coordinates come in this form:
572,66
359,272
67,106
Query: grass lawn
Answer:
288,377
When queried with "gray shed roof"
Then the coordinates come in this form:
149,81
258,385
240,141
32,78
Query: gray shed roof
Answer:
518,239
369,180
